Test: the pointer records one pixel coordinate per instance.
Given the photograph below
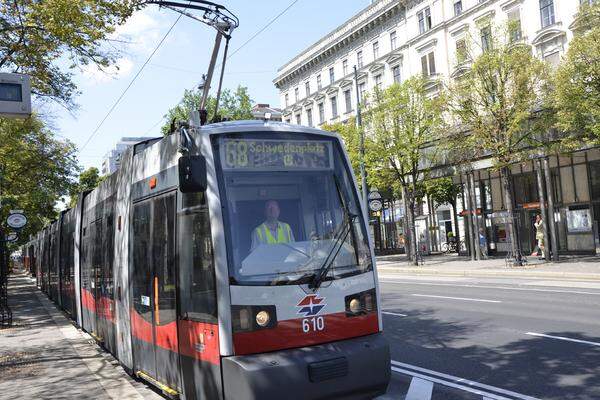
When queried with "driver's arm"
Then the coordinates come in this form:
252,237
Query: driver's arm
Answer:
255,240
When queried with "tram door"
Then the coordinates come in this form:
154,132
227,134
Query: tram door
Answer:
153,317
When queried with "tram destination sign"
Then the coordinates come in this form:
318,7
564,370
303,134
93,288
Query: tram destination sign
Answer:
272,154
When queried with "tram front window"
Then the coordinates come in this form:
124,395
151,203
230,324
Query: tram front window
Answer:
291,211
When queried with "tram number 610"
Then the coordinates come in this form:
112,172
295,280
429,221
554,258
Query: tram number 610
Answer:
313,324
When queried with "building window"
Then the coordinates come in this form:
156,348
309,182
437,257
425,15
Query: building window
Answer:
547,12
321,108
362,88
334,111
461,51
345,67
514,25
298,119
307,88
288,121
428,64
309,117
553,59
378,81
331,75
359,59
287,99
375,50
393,43
396,73
319,83
424,18
347,100
486,38
458,7
296,94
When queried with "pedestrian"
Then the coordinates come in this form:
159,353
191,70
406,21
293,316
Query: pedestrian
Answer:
483,244
539,237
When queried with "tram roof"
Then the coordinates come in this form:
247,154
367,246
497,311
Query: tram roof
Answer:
261,126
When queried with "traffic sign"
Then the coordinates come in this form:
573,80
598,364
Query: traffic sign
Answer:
16,220
375,205
12,237
374,195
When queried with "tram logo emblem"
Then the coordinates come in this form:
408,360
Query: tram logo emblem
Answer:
311,305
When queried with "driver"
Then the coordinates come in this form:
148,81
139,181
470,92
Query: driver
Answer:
272,231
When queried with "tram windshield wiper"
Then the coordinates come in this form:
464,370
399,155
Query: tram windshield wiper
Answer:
339,240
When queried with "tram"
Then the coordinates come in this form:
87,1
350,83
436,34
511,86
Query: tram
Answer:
170,266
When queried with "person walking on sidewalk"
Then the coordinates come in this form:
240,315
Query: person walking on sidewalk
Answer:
539,237
483,244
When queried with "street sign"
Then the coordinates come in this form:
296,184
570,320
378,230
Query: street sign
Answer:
15,95
375,205
16,220
12,237
374,195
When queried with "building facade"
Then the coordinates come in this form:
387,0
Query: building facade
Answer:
392,40
112,159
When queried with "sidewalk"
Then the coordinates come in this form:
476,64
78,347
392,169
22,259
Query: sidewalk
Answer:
43,355
574,268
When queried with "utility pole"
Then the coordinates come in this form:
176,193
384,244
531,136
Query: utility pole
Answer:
363,175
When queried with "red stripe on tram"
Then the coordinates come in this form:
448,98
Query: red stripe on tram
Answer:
289,334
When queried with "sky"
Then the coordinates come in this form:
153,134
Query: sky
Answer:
180,62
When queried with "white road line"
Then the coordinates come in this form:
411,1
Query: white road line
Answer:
456,298
394,314
491,287
456,381
419,389
563,338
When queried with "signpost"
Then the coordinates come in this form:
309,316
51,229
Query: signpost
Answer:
375,203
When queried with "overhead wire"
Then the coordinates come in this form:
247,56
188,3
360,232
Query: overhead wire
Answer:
261,30
116,103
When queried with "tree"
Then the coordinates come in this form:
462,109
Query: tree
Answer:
404,121
49,39
234,105
500,106
36,171
577,92
88,180
444,191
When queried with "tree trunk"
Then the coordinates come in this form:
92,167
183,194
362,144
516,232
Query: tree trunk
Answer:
550,196
508,199
413,231
457,233
407,238
540,182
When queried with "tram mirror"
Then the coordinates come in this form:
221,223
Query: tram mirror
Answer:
192,174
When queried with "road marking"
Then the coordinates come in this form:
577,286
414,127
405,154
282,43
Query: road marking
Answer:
457,298
458,383
419,389
563,338
491,287
395,314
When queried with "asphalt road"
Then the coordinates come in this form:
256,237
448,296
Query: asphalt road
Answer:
491,338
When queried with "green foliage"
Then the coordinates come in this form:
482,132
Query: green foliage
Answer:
37,36
88,180
37,170
404,121
234,105
442,191
499,104
577,92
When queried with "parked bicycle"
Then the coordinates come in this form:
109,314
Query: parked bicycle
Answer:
452,246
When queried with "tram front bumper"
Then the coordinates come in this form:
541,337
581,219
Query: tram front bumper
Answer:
357,368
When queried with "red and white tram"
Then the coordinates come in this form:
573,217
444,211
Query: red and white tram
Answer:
230,261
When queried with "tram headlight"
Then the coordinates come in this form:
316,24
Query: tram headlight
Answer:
361,303
263,318
354,306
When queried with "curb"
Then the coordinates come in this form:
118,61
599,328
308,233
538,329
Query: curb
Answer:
495,273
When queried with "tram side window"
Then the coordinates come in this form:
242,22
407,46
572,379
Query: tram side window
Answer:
141,285
197,273
163,254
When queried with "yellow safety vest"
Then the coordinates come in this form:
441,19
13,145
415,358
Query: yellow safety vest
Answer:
284,233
